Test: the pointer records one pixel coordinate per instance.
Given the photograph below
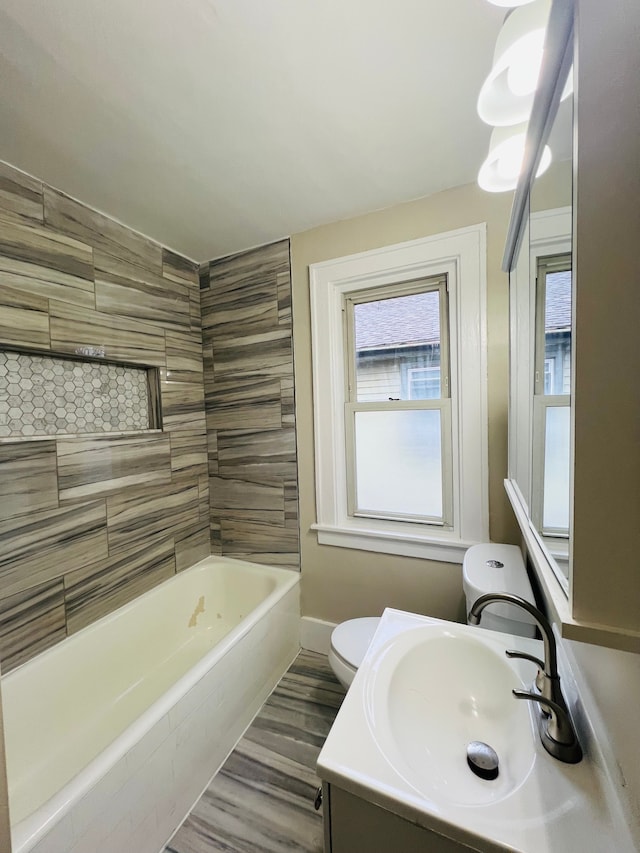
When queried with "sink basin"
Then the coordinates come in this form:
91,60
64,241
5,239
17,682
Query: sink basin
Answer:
424,691
432,691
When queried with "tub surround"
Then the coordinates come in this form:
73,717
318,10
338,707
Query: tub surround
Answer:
75,512
248,376
185,668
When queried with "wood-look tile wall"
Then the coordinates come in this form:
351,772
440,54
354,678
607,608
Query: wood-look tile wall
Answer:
88,523
248,371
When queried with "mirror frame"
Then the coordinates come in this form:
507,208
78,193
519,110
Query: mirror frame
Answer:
558,58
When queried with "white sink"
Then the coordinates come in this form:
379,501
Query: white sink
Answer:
425,689
433,690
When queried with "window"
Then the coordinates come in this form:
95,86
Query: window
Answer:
398,448
551,403
400,397
423,383
549,371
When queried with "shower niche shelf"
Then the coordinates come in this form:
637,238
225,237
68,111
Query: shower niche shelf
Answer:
46,395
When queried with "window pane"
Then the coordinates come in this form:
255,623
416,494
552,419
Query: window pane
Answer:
398,348
399,462
555,515
557,333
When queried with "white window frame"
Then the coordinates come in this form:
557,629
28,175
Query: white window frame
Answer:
441,404
461,256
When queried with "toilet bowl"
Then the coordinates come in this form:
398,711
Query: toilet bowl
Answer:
486,568
349,643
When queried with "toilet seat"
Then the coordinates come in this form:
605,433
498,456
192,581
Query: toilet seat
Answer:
349,643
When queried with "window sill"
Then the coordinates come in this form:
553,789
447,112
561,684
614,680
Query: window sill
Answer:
445,548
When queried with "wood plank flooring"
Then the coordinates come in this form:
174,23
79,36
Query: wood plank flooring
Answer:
261,801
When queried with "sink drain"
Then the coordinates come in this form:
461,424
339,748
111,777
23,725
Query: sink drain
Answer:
482,759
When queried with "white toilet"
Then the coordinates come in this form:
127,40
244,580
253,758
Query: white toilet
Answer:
486,568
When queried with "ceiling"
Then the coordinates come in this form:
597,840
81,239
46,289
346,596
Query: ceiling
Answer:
217,125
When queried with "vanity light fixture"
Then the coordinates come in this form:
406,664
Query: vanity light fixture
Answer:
509,3
507,94
501,169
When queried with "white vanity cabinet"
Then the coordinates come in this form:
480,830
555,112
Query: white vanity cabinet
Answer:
353,825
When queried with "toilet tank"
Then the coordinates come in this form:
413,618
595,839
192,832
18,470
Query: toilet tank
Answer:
498,568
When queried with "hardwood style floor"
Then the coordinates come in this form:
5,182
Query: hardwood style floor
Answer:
261,801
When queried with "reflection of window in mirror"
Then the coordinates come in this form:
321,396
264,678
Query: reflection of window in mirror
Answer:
552,386
540,397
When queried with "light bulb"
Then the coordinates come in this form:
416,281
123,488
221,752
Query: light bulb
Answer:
509,162
501,170
507,4
507,94
525,61
545,161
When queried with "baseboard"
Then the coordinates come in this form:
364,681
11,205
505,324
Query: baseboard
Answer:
315,634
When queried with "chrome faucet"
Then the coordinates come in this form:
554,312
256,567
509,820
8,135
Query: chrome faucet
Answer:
557,733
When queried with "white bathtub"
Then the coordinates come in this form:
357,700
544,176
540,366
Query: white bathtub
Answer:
112,735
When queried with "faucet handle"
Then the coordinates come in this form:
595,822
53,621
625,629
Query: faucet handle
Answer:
513,653
540,675
556,731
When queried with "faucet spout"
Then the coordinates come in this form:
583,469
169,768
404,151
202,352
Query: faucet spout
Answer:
556,729
550,656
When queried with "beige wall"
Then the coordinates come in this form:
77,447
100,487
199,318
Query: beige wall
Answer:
338,583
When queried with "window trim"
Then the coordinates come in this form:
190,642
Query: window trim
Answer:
461,255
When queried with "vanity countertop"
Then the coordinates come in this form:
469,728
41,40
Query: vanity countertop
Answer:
554,808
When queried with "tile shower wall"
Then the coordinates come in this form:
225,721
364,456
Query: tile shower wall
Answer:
248,369
89,522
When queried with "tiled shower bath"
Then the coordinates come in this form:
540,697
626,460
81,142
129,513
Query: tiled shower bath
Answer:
96,510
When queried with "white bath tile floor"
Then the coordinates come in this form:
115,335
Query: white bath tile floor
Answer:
261,801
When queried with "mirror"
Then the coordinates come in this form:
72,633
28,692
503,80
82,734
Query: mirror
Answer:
541,352
586,577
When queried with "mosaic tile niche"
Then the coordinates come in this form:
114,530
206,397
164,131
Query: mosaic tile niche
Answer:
41,395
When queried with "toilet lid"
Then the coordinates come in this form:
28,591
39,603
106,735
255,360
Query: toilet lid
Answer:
351,639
